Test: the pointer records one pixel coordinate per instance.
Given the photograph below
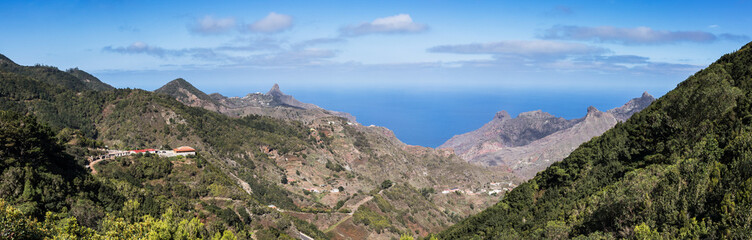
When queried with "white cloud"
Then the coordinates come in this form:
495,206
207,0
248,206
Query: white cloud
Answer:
272,23
633,36
211,25
401,23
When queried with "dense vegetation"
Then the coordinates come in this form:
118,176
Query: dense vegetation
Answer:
682,168
50,120
44,184
37,176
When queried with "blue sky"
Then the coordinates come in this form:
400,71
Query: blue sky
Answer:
359,55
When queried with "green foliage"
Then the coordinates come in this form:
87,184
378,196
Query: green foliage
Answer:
38,176
14,225
386,184
361,143
308,228
679,169
334,166
374,220
426,192
268,193
340,203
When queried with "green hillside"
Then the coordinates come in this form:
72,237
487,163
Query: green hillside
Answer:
244,165
48,127
682,168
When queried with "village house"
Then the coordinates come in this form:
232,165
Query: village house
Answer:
184,151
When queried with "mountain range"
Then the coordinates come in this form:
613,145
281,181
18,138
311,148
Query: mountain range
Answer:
271,167
534,140
266,164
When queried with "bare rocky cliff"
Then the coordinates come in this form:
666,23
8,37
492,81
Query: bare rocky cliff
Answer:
534,140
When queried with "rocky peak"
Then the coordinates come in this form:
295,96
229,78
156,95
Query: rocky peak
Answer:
593,112
537,114
633,106
275,91
503,114
179,82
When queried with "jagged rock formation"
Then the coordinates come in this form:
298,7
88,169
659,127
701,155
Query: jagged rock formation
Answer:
534,140
274,103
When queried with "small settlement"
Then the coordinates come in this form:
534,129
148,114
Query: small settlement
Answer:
495,188
181,151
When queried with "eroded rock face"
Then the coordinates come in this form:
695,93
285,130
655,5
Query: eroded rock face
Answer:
534,140
274,103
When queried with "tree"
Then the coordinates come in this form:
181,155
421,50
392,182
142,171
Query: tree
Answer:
386,184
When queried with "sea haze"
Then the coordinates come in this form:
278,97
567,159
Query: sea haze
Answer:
431,118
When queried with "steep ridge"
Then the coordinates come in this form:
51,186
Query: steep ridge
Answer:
90,80
534,140
677,170
73,79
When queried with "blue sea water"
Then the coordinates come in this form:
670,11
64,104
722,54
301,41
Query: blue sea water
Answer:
431,118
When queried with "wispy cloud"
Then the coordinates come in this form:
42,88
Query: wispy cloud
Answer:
547,55
143,48
320,41
265,52
521,48
252,44
138,48
210,25
272,23
633,36
401,23
290,57
734,37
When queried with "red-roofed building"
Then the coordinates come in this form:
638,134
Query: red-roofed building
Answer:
149,150
184,150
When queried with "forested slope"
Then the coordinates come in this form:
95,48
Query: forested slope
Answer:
682,168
